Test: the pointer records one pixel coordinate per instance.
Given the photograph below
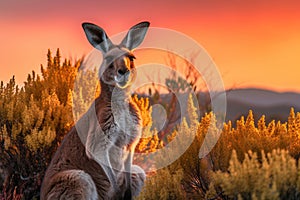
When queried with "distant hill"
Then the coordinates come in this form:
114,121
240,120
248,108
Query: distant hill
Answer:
274,105
264,97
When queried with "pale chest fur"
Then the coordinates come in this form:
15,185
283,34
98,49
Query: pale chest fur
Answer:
127,122
122,123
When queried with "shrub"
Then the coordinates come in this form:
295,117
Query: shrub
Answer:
35,118
33,121
274,176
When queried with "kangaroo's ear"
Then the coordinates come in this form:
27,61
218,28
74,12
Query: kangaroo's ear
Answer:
135,35
97,37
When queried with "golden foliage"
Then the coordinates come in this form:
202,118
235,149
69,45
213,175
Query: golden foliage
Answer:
164,185
274,176
149,141
40,139
259,138
86,88
4,137
145,109
33,121
249,161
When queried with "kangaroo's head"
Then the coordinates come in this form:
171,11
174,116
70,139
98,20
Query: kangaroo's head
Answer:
117,68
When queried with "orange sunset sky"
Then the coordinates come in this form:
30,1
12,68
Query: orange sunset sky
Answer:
254,43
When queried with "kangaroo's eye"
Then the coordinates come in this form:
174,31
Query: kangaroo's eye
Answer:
131,58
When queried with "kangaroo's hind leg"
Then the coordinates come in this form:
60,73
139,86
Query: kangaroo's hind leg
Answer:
72,185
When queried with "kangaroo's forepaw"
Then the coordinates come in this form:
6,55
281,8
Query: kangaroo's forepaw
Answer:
138,178
128,195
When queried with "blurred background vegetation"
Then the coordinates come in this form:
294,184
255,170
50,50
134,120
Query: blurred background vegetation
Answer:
253,159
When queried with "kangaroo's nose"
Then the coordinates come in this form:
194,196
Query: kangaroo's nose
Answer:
122,71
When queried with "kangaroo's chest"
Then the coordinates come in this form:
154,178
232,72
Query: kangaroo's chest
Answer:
125,124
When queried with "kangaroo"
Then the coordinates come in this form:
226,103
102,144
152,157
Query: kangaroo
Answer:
94,161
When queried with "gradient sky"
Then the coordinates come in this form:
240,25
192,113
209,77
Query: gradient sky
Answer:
254,43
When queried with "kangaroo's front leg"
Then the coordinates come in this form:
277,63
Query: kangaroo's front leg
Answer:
108,169
104,161
128,181
134,176
98,148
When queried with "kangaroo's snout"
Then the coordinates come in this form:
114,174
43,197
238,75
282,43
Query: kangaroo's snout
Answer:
125,79
122,72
